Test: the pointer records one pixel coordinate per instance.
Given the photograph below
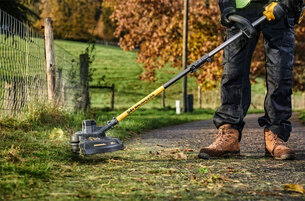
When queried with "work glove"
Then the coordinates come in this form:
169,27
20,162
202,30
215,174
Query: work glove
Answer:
227,8
225,16
275,11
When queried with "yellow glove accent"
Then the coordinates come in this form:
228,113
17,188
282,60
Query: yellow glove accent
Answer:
301,17
269,11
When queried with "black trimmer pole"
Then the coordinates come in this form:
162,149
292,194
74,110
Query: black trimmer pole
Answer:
92,139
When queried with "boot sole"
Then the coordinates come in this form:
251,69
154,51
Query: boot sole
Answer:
228,154
282,157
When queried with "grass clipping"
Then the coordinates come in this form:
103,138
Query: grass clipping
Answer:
12,154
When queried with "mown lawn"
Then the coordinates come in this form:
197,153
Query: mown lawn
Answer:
36,161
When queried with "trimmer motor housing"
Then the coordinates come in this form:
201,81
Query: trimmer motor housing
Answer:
93,140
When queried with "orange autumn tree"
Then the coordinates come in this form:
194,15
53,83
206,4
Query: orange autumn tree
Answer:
155,28
72,19
299,66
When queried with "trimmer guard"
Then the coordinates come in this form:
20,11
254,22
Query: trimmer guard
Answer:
92,139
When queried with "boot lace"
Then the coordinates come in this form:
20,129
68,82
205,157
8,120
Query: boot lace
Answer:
223,136
275,141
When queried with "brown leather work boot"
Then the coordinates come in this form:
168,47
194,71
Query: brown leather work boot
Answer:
226,143
276,147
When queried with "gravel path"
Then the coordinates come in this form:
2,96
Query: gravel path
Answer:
258,177
201,133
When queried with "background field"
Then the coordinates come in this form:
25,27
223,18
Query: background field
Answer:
114,66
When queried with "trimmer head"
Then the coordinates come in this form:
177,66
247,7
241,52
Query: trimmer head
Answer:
93,140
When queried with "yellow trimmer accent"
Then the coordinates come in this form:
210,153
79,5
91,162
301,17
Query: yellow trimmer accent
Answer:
140,103
269,11
301,15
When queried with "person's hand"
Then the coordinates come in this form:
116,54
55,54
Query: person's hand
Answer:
275,11
225,14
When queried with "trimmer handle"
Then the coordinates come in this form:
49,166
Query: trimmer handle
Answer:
244,25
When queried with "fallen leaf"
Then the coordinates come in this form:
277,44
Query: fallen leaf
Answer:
192,177
180,155
57,134
188,150
294,187
160,145
140,179
171,171
12,154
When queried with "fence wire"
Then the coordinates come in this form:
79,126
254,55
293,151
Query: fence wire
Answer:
22,65
23,69
67,78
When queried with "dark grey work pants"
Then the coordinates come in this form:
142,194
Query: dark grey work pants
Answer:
235,84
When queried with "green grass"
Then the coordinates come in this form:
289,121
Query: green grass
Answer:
302,116
114,66
36,161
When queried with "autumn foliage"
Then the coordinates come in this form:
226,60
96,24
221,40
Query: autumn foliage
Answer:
72,19
299,66
155,27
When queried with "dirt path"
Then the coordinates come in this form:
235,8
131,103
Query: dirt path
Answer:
250,174
201,133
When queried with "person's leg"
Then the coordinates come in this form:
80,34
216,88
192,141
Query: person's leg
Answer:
235,98
235,92
235,83
279,48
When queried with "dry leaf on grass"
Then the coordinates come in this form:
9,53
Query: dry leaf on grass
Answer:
12,154
188,150
294,188
57,134
180,155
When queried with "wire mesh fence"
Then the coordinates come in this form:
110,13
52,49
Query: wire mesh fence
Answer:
67,78
23,68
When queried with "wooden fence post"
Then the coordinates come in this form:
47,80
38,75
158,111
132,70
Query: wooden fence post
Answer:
303,95
50,59
184,54
84,80
112,97
199,96
163,99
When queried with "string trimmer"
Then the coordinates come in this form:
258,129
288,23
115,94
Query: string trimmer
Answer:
93,140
